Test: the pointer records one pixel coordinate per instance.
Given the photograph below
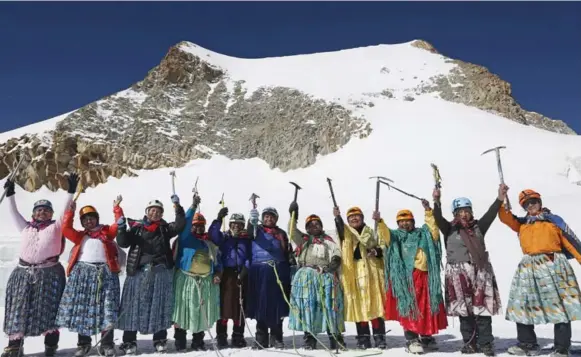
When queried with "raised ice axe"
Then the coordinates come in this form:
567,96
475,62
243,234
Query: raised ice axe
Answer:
253,198
293,216
377,186
12,175
500,174
173,183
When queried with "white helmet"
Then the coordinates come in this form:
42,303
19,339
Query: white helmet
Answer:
154,203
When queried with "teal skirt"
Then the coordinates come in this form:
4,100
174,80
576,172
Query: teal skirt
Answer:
196,302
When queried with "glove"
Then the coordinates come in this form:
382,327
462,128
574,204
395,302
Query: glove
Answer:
175,199
254,216
223,213
9,186
121,224
73,180
334,264
294,207
196,201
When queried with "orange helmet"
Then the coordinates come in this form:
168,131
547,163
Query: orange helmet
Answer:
404,214
88,210
526,195
353,211
199,219
312,218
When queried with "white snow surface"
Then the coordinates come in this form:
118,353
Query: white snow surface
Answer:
406,138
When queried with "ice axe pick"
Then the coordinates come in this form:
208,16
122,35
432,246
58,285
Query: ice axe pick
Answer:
500,174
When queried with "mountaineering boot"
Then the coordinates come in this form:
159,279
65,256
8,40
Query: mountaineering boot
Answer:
309,342
276,337
559,352
128,348
363,336
160,345
414,347
261,337
238,340
221,335
82,349
180,339
524,349
429,343
379,335
198,341
51,341
14,349
336,342
107,346
488,350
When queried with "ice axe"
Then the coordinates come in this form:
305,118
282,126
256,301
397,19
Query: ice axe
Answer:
173,184
253,198
195,191
332,193
437,177
507,205
378,182
222,205
12,174
399,190
293,216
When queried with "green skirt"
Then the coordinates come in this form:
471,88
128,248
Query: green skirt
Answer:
196,302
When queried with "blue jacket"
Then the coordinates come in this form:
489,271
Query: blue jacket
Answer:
235,251
269,244
188,244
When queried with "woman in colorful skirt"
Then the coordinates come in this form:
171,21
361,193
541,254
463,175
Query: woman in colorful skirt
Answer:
266,297
412,258
544,289
316,294
235,247
196,282
362,277
90,301
147,298
471,291
36,285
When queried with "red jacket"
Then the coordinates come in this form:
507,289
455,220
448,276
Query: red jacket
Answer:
107,235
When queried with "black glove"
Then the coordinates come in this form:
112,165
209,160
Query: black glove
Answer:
334,264
294,207
9,186
73,180
223,213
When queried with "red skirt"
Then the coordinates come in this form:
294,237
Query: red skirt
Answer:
426,324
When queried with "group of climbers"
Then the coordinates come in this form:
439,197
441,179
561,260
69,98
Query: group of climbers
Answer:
365,276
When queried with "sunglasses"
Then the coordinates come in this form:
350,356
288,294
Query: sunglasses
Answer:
532,201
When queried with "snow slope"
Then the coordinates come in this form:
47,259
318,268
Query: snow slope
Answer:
406,138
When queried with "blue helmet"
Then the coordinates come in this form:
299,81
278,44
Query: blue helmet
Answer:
461,202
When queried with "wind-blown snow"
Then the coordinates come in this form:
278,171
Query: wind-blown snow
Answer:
36,128
406,138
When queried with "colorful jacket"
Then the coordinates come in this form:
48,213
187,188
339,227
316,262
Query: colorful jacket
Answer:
543,234
105,233
188,244
313,251
270,244
40,243
235,251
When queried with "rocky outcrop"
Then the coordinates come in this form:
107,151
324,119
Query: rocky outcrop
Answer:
476,86
182,111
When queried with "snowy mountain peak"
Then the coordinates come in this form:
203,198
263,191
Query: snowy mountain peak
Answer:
288,111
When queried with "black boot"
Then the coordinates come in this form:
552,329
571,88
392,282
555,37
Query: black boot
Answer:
221,335
198,341
276,337
379,335
14,348
83,345
363,336
262,336
309,342
238,340
336,342
51,343
180,337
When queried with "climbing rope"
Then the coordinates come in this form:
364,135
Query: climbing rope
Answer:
206,322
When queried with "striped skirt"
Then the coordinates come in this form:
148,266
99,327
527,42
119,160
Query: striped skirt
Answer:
32,300
316,302
470,291
147,300
544,291
90,302
196,302
265,299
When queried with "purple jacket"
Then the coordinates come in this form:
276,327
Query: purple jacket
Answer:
236,252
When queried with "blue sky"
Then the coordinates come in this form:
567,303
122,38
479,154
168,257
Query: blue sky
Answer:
56,57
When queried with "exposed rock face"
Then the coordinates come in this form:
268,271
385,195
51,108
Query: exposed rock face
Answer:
182,111
475,86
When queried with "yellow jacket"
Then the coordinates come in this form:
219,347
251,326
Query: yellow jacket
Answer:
421,260
362,280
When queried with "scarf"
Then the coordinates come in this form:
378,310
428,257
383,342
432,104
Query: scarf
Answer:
474,243
399,265
148,225
567,232
40,225
310,239
278,235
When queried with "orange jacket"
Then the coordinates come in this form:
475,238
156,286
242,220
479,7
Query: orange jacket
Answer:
108,232
539,237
